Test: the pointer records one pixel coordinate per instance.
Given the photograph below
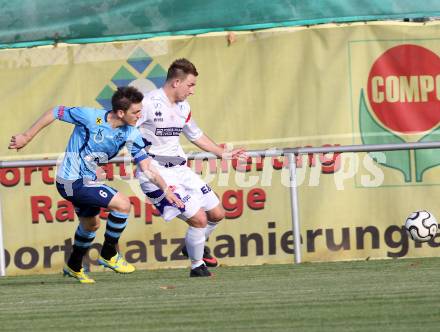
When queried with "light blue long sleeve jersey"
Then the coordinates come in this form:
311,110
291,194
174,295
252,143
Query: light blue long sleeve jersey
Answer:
94,141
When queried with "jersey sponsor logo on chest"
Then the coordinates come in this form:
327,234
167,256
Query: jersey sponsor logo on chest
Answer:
169,131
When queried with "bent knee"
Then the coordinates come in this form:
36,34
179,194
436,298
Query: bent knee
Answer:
199,223
216,215
124,205
121,204
199,220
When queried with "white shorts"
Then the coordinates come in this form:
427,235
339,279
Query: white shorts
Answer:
188,186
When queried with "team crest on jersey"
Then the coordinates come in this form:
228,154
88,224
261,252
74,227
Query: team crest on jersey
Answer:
98,137
98,121
119,137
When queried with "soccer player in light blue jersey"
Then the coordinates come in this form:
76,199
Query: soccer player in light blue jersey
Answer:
97,137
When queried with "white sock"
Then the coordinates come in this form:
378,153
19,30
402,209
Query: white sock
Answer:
195,264
195,243
210,228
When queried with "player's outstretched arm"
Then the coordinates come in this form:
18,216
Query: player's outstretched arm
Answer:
18,141
208,145
153,175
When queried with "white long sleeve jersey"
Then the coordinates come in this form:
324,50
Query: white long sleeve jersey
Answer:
161,124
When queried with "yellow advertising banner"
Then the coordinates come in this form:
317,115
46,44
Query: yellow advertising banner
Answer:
326,85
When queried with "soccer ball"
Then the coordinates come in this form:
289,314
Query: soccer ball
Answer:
421,226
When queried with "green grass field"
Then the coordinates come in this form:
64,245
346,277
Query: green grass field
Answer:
386,295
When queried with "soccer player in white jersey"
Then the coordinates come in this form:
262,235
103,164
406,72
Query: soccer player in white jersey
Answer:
165,115
98,136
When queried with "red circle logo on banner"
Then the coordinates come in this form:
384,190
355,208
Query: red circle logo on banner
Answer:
404,89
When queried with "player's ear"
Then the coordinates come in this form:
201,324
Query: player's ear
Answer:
120,114
176,82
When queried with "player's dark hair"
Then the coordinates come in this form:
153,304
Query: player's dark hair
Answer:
180,68
125,96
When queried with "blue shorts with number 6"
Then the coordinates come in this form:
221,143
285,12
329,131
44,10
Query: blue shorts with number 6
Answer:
87,197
